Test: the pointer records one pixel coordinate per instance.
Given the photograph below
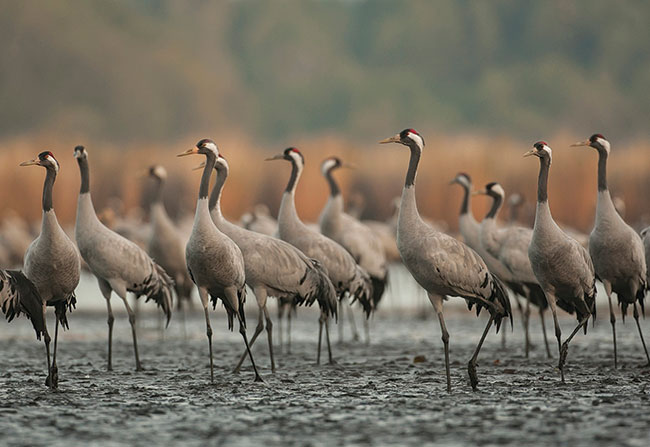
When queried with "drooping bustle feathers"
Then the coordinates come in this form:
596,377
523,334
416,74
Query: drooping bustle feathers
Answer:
158,287
18,294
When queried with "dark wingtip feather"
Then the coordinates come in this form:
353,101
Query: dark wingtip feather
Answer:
26,299
158,286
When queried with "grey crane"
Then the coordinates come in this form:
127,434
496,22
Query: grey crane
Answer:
442,265
616,249
215,262
343,271
362,243
119,264
562,266
52,263
645,235
260,220
166,245
273,267
509,245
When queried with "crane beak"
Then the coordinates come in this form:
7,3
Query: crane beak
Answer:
201,166
581,143
275,157
530,152
348,165
455,180
479,192
393,139
192,151
34,162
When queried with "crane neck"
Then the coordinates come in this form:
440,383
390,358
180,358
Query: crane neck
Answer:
50,177
496,206
334,187
416,152
602,170
158,189
296,172
542,181
210,161
464,206
215,196
85,175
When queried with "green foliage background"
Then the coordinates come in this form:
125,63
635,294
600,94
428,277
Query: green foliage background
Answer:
125,70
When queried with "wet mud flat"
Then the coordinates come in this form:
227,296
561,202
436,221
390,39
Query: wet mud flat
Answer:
391,392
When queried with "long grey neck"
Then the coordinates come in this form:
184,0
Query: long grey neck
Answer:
542,181
602,170
158,191
85,175
210,161
47,189
295,175
334,187
464,206
215,196
416,152
496,205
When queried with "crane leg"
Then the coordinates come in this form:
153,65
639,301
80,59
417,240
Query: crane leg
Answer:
258,330
242,331
327,337
321,320
638,325
341,314
612,318
203,294
471,366
436,301
105,288
289,317
46,340
541,317
353,324
53,374
564,350
527,327
280,316
132,322
269,334
558,331
366,327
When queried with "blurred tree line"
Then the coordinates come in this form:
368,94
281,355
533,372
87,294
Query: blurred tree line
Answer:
156,70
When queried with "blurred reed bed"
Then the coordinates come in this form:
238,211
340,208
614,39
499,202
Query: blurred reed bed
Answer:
117,180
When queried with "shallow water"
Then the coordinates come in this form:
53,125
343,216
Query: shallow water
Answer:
381,394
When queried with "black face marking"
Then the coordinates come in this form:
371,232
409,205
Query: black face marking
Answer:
204,142
289,150
463,174
490,185
594,137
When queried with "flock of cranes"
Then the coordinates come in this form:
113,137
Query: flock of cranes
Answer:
343,257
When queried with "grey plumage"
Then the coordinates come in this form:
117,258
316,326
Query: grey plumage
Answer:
442,265
260,221
359,240
645,235
119,264
615,248
52,263
272,266
561,265
215,262
343,271
166,245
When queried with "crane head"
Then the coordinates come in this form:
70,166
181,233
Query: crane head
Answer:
45,159
205,146
597,141
462,179
540,149
290,154
158,172
80,152
492,189
331,163
407,137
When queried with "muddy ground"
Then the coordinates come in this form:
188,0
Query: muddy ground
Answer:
381,394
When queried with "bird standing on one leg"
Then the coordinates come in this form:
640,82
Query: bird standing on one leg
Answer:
52,263
616,249
443,265
562,266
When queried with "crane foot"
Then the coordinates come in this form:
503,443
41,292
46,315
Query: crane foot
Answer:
473,377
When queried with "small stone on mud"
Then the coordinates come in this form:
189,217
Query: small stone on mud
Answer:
419,359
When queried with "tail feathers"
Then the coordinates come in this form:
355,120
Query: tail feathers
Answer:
157,286
325,292
378,288
361,290
231,312
18,294
502,303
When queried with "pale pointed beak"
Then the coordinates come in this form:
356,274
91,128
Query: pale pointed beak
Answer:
581,143
349,165
194,150
275,157
33,162
201,166
455,180
479,192
530,152
393,139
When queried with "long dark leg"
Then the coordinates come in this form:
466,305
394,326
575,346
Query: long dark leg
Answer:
327,337
132,322
105,288
242,331
541,317
527,327
46,340
280,325
258,331
341,313
203,294
436,301
321,320
289,316
564,350
366,327
269,333
471,366
636,318
612,318
53,375
558,331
